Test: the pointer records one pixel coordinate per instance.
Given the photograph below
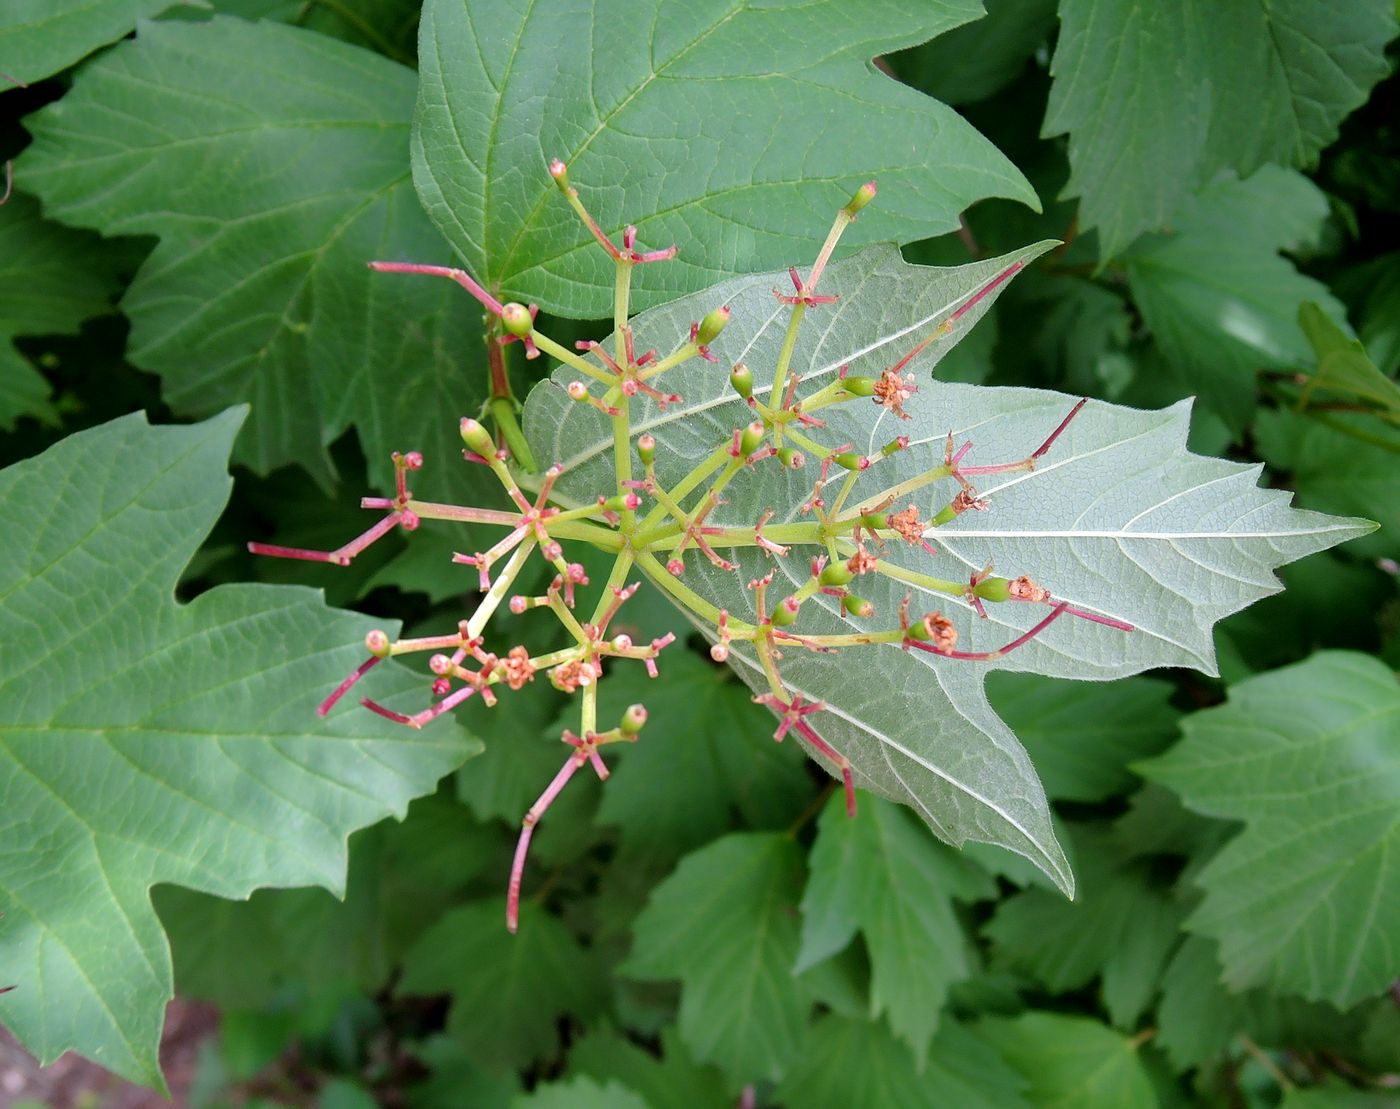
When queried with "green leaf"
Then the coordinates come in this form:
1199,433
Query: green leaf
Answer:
507,991
1199,1019
856,1062
1082,736
1121,927
881,875
1306,899
725,924
387,26
270,163
51,280
1348,464
145,741
972,62
1217,297
707,753
1336,1096
1343,366
580,1093
1071,1061
40,37
733,131
402,876
1118,517
1373,290
1127,92
1158,98
673,1081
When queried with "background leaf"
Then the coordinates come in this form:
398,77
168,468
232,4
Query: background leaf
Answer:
724,924
270,163
188,752
1306,899
40,37
732,130
1071,1061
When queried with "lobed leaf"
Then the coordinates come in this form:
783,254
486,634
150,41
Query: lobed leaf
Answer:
1305,900
1072,1061
144,741
1119,518
269,161
40,37
727,128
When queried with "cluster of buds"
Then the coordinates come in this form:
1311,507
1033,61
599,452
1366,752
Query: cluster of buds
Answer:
651,526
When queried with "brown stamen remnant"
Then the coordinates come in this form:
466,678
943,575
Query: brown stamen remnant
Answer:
907,524
939,631
519,668
892,390
967,499
1024,589
862,562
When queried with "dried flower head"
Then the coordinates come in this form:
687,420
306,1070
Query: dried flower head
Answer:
891,391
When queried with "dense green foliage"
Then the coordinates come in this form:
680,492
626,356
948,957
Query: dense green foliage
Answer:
1196,191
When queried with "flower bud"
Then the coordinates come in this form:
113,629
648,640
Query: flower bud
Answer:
622,642
836,575
864,195
712,325
875,521
646,449
751,438
560,172
440,665
898,443
850,460
408,520
993,589
785,612
720,652
413,461
857,606
517,319
792,459
578,390
477,438
742,379
377,643
858,386
633,720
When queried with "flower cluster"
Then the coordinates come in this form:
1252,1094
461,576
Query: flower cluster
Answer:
652,527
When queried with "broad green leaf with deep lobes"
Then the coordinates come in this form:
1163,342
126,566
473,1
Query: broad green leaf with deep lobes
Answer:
1071,1062
144,741
1118,518
881,874
52,278
1156,98
725,924
848,1063
1215,293
270,161
40,37
1306,899
507,991
734,130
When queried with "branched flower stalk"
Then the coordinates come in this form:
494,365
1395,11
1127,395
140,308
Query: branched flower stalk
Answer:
652,529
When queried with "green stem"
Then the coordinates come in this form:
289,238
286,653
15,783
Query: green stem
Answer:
569,358
503,412
684,595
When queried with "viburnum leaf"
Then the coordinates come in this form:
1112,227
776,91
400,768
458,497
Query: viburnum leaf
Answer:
1349,464
1122,927
881,875
1118,518
508,992
1082,736
729,129
238,954
1217,296
40,37
1296,753
1199,1018
857,1062
1158,98
144,741
673,1081
579,1093
1071,1062
708,755
725,924
52,278
270,163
